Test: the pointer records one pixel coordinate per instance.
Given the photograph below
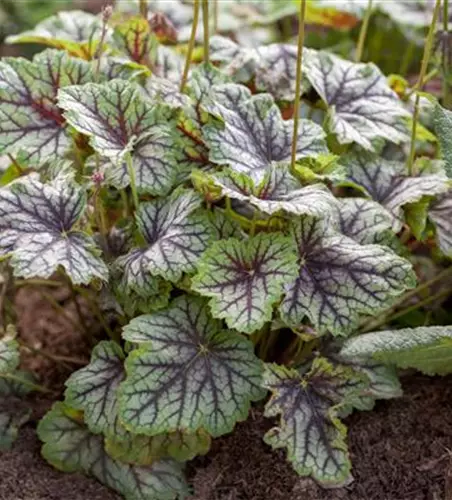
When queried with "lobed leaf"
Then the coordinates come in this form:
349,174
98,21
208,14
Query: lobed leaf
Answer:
278,191
134,38
175,236
440,214
428,349
9,355
245,278
362,106
187,374
38,230
71,447
252,135
31,123
119,122
388,183
340,279
442,122
309,426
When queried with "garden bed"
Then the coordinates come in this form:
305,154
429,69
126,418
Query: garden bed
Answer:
400,451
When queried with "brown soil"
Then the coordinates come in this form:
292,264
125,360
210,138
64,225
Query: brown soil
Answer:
400,451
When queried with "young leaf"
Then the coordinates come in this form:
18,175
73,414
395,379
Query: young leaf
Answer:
388,183
31,124
135,39
441,215
277,191
245,278
145,450
428,349
189,375
365,221
71,447
38,229
340,279
93,388
74,31
175,238
119,121
362,105
442,122
309,426
253,135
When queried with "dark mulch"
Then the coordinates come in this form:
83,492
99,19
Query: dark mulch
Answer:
400,451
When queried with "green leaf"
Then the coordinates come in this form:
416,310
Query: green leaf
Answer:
188,374
252,134
38,229
340,279
71,447
440,214
176,235
93,388
442,122
119,121
224,227
145,450
134,38
309,426
245,278
9,355
428,349
362,106
388,183
14,409
365,221
74,31
31,123
278,191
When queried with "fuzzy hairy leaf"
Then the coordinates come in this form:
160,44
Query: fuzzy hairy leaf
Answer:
252,135
440,214
188,374
175,235
362,105
31,123
428,349
93,388
245,278
71,447
340,279
75,31
119,121
277,191
309,426
38,229
145,450
365,221
442,122
388,183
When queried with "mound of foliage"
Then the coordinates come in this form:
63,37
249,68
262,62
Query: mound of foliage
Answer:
231,259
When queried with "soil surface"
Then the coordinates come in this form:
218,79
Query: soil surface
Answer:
400,451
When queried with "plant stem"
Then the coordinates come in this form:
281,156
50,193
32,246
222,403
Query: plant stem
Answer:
38,282
106,14
363,32
205,21
431,74
60,309
447,97
215,16
296,112
144,8
420,82
24,381
62,360
133,185
191,44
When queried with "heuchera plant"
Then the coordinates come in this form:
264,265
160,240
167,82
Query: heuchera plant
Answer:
240,260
